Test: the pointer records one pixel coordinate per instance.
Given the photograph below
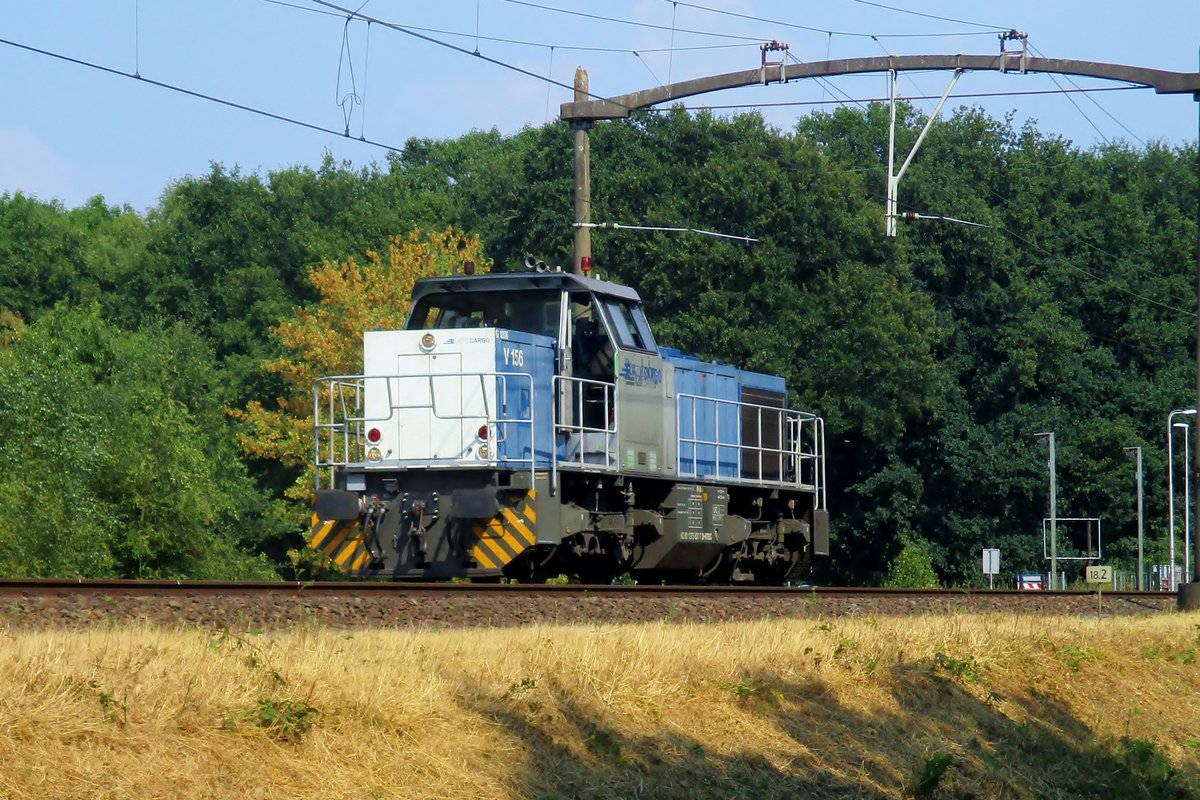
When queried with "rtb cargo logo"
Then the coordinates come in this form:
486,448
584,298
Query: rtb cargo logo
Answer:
640,374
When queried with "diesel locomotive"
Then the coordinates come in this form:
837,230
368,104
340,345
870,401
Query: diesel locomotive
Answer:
526,425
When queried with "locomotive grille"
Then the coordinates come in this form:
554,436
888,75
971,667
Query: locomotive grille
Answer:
508,534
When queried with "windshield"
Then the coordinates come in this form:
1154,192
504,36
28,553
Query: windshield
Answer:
529,311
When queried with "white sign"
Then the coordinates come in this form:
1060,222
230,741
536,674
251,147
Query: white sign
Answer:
991,561
1099,575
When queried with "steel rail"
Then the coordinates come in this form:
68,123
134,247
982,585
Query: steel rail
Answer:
44,586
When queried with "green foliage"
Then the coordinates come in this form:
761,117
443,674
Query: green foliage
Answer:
913,565
965,669
926,779
115,709
283,717
85,255
754,689
520,687
1144,761
115,458
286,720
1075,655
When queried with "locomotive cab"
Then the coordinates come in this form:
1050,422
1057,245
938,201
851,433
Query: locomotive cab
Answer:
526,425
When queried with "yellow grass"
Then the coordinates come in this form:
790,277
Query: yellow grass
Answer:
1019,706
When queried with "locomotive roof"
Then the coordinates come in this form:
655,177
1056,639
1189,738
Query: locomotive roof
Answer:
518,281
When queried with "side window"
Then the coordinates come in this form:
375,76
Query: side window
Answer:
643,328
626,328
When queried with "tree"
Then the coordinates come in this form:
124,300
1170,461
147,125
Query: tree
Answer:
913,565
88,254
115,456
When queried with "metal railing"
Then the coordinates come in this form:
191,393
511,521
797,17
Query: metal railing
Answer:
742,442
761,444
588,398
340,421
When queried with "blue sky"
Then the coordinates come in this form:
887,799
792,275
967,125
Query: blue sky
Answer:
70,132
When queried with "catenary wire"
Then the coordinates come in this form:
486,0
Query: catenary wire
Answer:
1096,248
635,23
933,16
463,50
1095,103
907,75
833,32
825,82
311,126
1107,281
525,43
200,95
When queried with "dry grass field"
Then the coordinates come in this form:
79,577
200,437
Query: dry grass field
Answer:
939,706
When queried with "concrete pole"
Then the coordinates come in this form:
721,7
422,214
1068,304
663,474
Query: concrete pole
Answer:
1189,593
1053,521
1141,574
583,179
1053,517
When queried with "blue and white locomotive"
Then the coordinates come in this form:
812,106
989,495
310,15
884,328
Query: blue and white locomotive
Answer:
527,425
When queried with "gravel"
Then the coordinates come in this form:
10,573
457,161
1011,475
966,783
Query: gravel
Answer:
458,609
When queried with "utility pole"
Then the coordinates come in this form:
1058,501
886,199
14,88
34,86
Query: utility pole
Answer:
1053,517
1141,569
1189,594
583,181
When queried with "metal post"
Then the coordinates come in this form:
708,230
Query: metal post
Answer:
1194,591
583,179
893,187
889,222
1141,567
1172,584
1170,501
1187,501
1053,518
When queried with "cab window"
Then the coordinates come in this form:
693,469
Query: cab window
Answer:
532,312
629,326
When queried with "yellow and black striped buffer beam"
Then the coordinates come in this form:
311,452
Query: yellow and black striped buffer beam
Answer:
505,536
341,540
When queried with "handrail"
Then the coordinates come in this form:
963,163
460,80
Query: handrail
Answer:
580,430
805,428
348,427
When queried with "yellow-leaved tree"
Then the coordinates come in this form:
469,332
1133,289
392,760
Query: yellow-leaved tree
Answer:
325,338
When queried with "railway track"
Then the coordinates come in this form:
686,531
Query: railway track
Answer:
54,603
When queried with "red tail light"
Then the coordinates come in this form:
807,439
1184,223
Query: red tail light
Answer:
483,432
373,436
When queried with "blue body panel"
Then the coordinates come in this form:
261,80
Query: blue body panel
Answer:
709,419
519,353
